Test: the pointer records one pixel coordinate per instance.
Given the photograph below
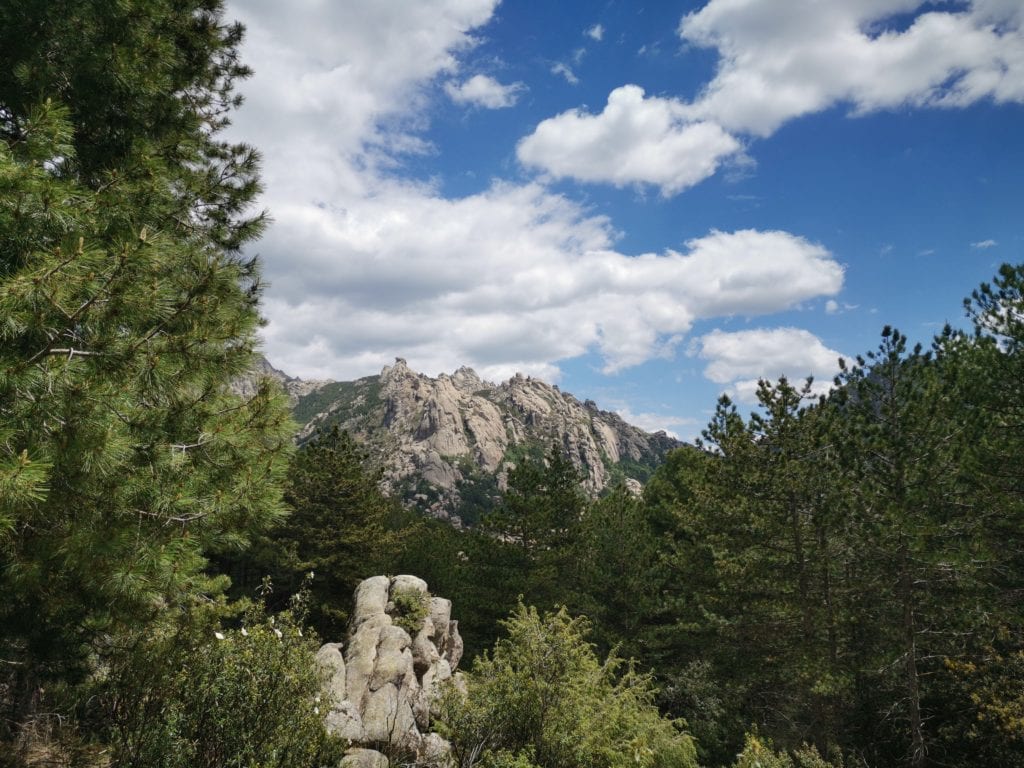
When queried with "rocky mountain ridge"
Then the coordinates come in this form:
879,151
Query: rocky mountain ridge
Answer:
293,386
441,440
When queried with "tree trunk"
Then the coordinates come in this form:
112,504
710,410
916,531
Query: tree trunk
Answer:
917,748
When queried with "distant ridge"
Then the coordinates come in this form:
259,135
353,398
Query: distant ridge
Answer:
445,444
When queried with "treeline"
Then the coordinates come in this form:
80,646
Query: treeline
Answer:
840,572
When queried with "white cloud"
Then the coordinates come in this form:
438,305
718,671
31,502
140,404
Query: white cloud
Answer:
595,32
783,60
654,422
635,140
739,359
563,69
484,91
364,266
515,278
831,306
778,62
983,244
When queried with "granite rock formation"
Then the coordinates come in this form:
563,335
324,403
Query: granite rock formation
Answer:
383,681
433,435
293,386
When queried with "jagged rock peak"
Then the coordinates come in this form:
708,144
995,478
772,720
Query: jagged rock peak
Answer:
434,435
294,386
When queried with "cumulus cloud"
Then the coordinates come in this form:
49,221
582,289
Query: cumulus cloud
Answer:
515,278
364,265
595,33
484,91
634,140
739,359
339,86
779,61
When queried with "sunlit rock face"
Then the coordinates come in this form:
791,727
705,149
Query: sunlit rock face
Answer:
381,684
433,436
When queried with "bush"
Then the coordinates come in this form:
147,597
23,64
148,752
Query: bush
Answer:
542,698
199,697
411,609
757,754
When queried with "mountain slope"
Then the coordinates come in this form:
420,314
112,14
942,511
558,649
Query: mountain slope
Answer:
446,443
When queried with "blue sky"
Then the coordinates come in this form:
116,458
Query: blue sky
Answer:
648,204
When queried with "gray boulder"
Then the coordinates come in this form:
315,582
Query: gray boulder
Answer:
383,684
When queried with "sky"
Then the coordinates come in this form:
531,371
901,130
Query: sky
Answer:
648,204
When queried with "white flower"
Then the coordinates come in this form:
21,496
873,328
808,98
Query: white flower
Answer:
219,635
245,632
277,632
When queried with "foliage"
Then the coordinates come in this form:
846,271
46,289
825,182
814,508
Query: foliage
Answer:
354,398
125,311
841,562
196,696
756,754
341,529
481,574
540,515
542,698
411,609
614,554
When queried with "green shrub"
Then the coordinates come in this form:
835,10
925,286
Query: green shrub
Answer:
196,696
542,698
758,754
411,609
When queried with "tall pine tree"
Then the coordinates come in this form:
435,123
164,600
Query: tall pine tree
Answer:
126,309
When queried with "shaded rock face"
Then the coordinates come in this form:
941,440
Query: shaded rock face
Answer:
439,430
384,680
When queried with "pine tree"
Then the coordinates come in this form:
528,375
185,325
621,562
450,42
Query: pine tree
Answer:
916,536
125,311
341,529
748,576
540,515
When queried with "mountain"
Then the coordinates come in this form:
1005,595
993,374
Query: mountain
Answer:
293,386
446,444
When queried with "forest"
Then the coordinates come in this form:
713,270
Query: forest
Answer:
828,581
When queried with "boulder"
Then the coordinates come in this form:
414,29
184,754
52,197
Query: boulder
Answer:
361,656
371,600
388,718
363,758
434,751
394,658
406,583
331,663
344,721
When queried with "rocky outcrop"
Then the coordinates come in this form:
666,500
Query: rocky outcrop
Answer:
432,434
294,387
383,682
